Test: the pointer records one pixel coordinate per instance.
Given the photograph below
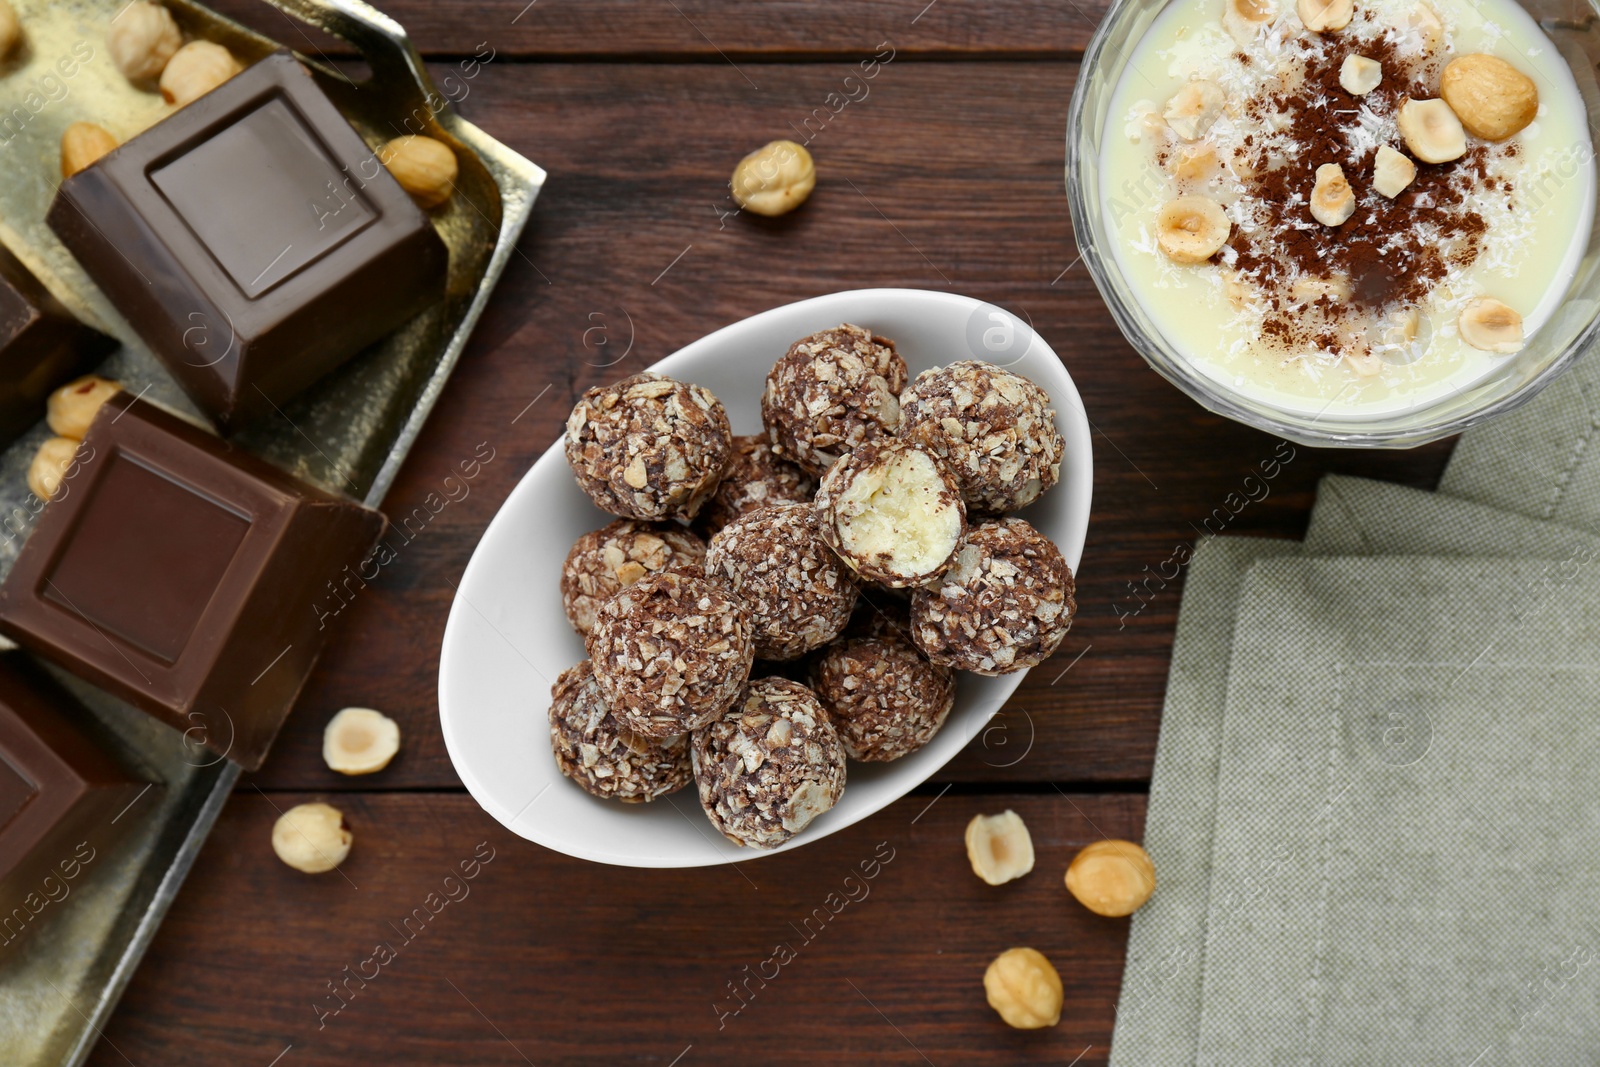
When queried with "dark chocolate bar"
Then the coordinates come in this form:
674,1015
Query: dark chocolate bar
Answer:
42,346
184,575
253,240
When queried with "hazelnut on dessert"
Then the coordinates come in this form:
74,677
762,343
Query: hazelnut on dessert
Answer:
1325,16
648,447
1359,75
886,699
1193,109
595,750
1243,19
1493,99
1392,172
1192,229
1332,199
1423,28
1491,326
892,512
1193,162
832,391
1431,130
605,561
755,477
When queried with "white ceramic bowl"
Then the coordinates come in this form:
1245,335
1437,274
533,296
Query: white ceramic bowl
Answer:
507,638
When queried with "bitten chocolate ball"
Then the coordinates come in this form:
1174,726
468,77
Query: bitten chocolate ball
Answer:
769,766
892,512
832,392
754,478
610,559
600,754
671,652
886,700
995,431
648,447
798,592
1004,605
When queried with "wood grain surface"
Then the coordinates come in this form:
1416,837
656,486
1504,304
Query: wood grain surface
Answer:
947,173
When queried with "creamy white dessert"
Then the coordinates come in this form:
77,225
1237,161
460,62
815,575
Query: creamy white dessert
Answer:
1351,209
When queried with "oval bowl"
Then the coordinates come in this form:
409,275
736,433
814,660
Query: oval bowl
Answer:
507,637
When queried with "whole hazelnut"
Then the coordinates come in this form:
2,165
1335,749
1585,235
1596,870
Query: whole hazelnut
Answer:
143,38
71,409
10,29
1024,988
1112,878
81,144
311,838
426,168
194,70
774,179
49,466
1493,99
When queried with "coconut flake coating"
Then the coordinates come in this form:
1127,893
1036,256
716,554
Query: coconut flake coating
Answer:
648,447
671,652
769,766
798,592
1005,603
995,431
754,478
886,700
610,559
596,751
892,513
830,393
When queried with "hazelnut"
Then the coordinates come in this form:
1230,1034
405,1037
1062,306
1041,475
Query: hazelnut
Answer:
999,847
1024,988
1193,109
774,179
71,409
311,838
143,38
1332,199
1431,130
194,70
1112,878
49,466
1244,18
1359,75
1493,99
1192,229
360,741
424,167
1392,172
81,144
1325,16
10,29
1491,326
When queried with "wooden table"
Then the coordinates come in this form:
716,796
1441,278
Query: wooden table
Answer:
943,171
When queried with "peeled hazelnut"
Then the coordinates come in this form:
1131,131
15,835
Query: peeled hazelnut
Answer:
999,847
774,179
1489,325
311,838
424,167
71,409
1112,878
81,144
1359,75
1424,25
1332,199
1392,172
1192,229
1325,16
1193,109
1310,290
360,741
143,38
50,465
1493,99
1431,130
1024,988
1243,19
194,70
1193,162
10,29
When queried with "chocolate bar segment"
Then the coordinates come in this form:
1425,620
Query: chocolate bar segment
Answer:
183,575
41,347
253,240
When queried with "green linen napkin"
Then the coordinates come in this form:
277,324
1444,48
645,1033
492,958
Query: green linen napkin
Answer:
1407,834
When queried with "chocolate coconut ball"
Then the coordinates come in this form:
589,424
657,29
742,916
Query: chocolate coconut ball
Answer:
769,766
886,700
754,478
832,392
995,431
892,512
610,559
600,754
648,447
1004,605
799,594
671,652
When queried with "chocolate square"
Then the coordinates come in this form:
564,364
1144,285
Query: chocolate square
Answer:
253,240
42,346
184,575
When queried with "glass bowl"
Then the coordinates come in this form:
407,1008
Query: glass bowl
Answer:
1573,27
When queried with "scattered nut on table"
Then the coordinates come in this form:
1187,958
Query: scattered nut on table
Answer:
10,29
1112,878
83,143
999,847
143,38
194,70
774,179
1024,988
312,838
50,465
360,741
426,168
71,408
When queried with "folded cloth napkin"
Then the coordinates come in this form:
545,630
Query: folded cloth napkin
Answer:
1407,840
